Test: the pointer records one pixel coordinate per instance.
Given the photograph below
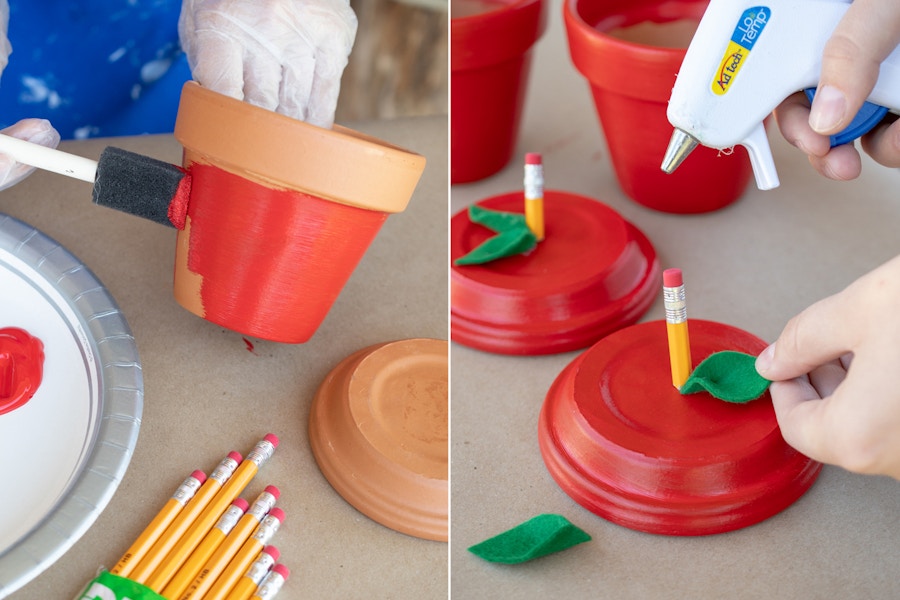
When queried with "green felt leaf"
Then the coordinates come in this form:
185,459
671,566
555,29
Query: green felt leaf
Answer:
513,236
537,537
729,376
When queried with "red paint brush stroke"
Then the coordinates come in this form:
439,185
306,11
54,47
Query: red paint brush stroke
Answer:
21,367
272,261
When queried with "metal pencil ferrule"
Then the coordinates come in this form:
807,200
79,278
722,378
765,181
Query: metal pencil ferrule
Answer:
266,529
186,490
262,452
674,304
229,519
534,181
224,470
270,585
262,505
260,567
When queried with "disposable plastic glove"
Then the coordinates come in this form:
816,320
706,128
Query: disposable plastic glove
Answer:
37,131
283,55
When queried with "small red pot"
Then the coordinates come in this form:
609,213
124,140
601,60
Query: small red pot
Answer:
631,84
280,213
490,57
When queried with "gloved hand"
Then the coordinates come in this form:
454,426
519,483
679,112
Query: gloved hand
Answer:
38,131
283,55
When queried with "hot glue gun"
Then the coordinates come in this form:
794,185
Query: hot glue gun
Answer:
743,61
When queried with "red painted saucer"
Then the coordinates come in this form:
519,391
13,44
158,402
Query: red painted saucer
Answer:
625,444
592,274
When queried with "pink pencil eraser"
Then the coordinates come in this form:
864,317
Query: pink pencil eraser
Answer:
277,513
672,278
199,475
281,570
272,439
273,490
272,551
235,456
533,158
241,503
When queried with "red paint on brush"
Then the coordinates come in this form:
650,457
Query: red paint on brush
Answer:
178,206
21,367
672,278
272,261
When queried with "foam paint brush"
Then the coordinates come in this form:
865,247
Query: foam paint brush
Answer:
123,180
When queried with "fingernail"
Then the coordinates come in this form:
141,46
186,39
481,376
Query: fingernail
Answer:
827,109
765,359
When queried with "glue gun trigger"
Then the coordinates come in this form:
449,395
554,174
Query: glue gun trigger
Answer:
757,145
869,116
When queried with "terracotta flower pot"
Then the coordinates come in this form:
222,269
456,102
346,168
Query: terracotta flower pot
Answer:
490,58
631,82
280,213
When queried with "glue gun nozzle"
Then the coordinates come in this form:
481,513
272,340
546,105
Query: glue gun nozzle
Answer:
680,146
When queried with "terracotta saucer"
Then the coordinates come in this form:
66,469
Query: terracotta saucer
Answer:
593,273
625,444
378,430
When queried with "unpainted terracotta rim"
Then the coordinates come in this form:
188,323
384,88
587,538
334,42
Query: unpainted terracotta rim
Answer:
337,164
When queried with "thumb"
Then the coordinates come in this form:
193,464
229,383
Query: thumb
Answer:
865,36
816,336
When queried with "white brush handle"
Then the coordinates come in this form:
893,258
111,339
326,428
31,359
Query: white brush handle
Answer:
48,159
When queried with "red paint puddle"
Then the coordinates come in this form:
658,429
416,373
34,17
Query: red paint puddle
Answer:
21,367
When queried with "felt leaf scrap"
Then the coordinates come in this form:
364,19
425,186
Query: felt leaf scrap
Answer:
728,375
537,537
513,236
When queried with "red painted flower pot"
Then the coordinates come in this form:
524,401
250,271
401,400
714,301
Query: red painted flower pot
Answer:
618,437
490,56
631,82
280,213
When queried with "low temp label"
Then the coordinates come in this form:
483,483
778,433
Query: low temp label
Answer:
746,32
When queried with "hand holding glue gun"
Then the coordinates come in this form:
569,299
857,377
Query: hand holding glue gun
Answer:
746,58
851,59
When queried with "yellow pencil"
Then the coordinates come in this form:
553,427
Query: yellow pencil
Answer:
271,585
182,523
534,194
205,521
677,326
158,525
248,584
245,556
185,575
220,559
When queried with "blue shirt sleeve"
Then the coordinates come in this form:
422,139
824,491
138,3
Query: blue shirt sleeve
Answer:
94,67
